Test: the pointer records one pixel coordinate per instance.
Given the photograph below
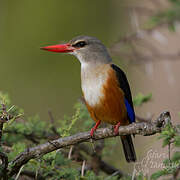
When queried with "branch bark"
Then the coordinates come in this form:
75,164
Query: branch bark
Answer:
4,117
142,128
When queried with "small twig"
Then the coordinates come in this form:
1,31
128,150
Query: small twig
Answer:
1,129
3,119
11,108
114,174
19,172
52,123
37,170
169,151
70,152
82,169
92,144
134,174
51,117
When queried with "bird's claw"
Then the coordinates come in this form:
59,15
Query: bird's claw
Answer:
116,128
94,128
92,132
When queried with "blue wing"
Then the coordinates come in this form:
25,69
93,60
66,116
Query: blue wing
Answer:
130,111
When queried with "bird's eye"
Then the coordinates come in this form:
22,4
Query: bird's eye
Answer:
80,44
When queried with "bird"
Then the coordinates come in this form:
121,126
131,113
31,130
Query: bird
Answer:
105,87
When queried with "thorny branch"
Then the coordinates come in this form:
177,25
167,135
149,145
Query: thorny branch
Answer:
4,117
52,122
4,161
142,128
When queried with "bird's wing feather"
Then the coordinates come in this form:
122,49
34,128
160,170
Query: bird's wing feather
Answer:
124,85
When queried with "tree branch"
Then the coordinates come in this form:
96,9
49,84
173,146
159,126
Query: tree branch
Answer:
4,165
142,128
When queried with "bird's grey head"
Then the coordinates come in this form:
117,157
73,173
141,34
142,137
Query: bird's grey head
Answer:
89,50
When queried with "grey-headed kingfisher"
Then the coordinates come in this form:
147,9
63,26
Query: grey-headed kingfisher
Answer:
104,85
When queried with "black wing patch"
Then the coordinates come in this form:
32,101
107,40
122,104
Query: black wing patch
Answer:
124,85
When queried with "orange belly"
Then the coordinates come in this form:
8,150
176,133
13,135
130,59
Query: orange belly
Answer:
111,107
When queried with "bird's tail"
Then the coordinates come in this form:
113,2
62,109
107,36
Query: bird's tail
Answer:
128,148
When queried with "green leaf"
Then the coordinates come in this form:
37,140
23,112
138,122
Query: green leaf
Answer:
166,141
140,99
158,174
59,159
16,149
177,141
176,156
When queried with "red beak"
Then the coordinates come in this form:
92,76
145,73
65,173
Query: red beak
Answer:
60,48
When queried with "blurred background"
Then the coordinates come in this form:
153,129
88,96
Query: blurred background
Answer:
37,80
146,48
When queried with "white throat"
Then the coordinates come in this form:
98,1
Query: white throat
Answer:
92,82
93,78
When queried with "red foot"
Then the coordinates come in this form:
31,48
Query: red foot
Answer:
116,128
94,128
